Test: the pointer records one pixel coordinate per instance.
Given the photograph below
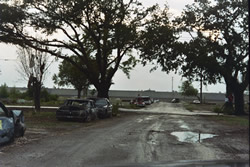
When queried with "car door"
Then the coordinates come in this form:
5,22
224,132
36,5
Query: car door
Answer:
109,108
7,131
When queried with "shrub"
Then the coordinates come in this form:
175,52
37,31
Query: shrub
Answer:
115,109
3,91
218,110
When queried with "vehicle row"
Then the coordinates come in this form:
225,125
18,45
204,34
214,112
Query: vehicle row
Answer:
142,101
12,121
85,109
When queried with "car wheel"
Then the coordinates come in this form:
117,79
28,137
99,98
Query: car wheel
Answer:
110,114
59,119
88,118
93,116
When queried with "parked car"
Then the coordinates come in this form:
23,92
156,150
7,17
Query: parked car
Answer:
146,100
103,107
175,100
11,124
79,109
196,102
138,101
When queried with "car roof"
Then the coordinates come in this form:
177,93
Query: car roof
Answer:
87,100
4,108
96,98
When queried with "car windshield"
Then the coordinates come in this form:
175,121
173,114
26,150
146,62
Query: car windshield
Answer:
101,102
146,99
2,113
76,103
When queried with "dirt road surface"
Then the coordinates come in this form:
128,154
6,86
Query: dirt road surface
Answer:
132,138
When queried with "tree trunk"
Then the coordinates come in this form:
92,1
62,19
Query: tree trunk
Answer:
201,100
103,90
239,102
79,93
237,89
37,95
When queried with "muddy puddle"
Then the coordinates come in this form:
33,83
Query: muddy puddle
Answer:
192,137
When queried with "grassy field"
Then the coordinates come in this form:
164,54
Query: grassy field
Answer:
206,107
231,120
224,119
47,120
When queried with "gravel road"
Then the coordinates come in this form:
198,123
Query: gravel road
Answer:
133,138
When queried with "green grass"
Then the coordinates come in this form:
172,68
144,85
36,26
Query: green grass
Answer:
231,120
204,107
189,107
47,120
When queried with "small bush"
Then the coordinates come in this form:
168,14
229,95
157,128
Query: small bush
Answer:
189,107
227,108
3,91
115,109
218,110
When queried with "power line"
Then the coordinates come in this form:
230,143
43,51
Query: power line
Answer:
8,59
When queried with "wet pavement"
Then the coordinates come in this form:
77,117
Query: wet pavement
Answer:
167,108
132,138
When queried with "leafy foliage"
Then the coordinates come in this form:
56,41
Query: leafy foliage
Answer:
4,91
70,75
159,42
101,33
220,47
187,89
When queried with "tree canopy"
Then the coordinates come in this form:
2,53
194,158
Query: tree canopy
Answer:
70,75
223,28
158,42
187,89
101,33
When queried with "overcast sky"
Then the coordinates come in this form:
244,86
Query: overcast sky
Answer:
140,77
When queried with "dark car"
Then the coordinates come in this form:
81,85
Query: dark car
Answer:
138,101
11,124
79,109
103,106
175,100
146,100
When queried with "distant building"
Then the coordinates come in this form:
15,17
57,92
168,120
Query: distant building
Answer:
128,95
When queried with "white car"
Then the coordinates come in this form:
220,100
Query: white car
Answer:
196,102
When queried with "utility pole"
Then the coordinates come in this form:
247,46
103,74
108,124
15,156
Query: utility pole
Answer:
172,84
201,80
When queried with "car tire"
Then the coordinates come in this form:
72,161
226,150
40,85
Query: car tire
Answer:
88,118
93,116
110,114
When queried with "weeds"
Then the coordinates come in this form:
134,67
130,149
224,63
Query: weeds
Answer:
232,120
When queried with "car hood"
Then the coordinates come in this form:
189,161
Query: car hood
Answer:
6,127
101,106
188,163
73,108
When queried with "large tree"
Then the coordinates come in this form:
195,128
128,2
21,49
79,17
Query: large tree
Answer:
158,42
101,33
223,26
70,75
197,64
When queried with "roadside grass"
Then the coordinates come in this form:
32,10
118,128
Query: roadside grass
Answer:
217,108
224,119
231,120
48,120
206,107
